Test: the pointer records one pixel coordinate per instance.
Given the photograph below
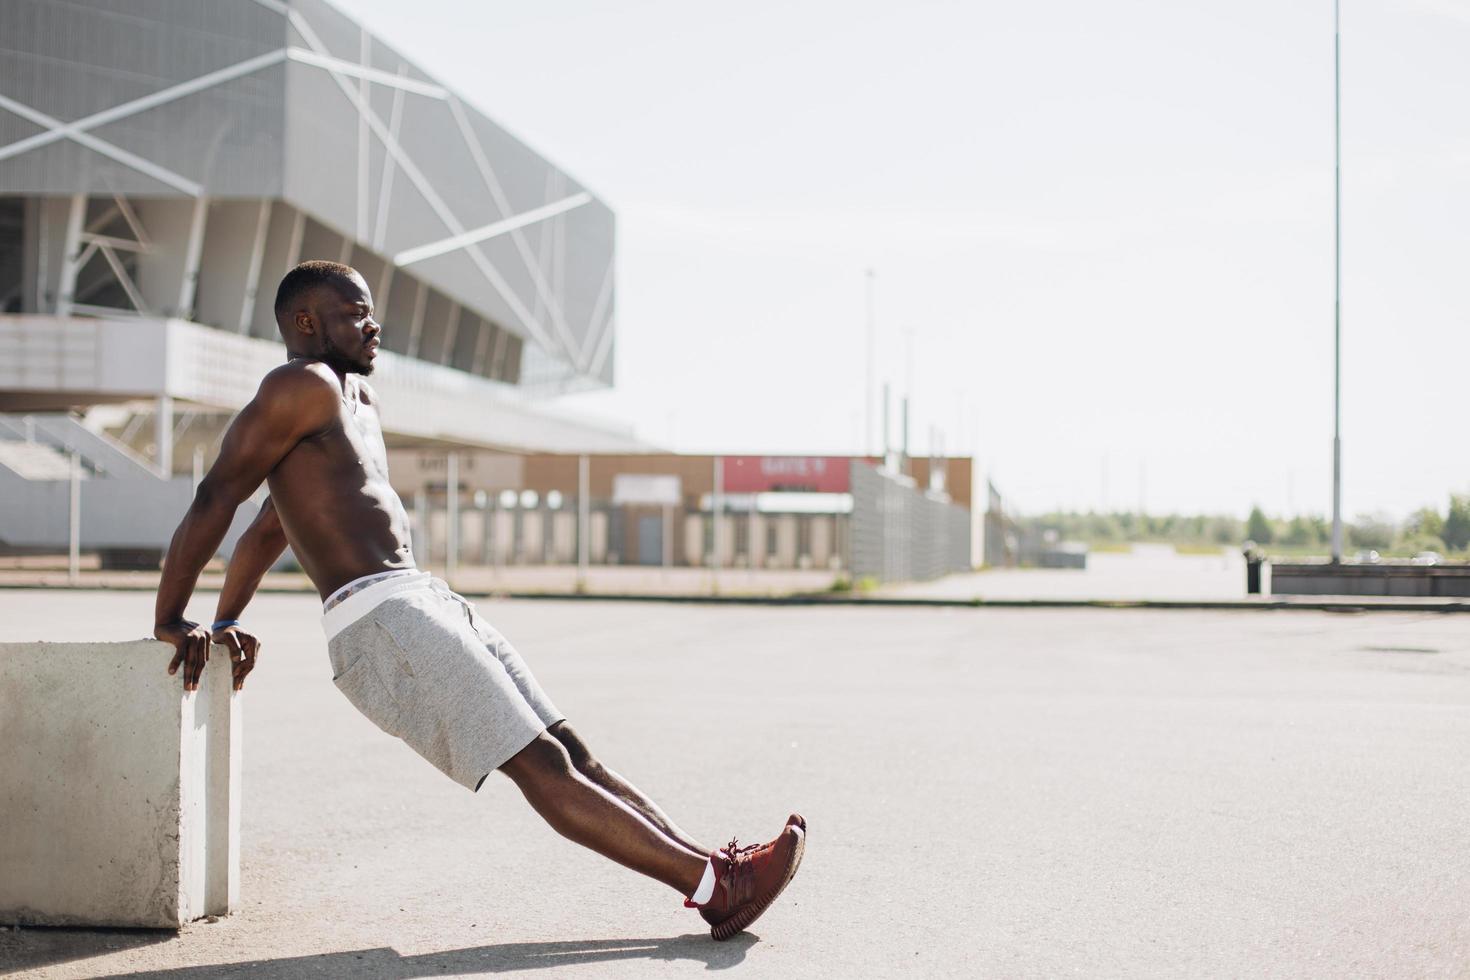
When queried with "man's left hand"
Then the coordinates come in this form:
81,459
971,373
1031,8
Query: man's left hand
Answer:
244,649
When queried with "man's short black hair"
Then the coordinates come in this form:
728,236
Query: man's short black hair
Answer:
305,277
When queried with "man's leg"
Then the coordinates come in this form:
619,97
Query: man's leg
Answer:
584,812
589,766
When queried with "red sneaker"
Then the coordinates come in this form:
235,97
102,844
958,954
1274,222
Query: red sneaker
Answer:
748,879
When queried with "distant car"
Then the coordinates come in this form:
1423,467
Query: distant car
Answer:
1366,556
1427,558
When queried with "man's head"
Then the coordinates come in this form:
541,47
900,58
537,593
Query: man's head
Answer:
325,311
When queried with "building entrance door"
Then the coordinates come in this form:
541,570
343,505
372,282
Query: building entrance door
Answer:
650,539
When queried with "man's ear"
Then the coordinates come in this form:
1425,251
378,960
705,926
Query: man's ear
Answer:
305,322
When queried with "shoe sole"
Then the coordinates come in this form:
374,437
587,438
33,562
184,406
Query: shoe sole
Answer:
743,918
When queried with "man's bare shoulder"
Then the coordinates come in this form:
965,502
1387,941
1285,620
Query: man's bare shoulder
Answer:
304,392
300,382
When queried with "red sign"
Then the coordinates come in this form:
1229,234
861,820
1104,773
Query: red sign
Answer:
765,474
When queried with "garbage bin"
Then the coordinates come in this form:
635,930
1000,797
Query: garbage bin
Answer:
1254,559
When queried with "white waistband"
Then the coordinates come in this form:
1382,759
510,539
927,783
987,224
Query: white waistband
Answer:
359,604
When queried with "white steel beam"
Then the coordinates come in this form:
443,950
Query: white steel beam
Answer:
497,356
455,242
360,230
130,216
416,326
71,258
252,272
374,75
598,321
116,244
603,346
385,185
298,234
193,249
163,435
446,355
482,343
97,223
383,290
123,279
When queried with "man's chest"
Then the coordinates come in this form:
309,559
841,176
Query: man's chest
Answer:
364,430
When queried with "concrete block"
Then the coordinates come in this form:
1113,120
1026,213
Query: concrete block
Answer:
119,795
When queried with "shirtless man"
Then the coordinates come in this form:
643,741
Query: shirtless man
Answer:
414,657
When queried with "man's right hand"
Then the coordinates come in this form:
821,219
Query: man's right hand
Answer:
191,648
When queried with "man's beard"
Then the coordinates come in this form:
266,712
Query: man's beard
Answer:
334,358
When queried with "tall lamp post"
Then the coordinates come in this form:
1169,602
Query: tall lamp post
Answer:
1337,284
868,389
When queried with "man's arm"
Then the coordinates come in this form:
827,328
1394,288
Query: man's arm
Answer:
257,549
293,402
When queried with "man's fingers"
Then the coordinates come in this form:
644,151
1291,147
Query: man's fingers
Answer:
231,640
242,666
191,646
173,665
198,657
247,661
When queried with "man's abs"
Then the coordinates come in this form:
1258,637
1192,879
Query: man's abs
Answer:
340,514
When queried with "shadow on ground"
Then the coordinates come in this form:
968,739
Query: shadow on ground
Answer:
385,963
31,947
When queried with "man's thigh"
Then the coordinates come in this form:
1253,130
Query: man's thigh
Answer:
520,674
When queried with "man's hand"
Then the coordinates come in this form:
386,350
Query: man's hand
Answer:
191,648
243,647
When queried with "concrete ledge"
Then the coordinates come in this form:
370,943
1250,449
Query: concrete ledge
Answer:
1375,579
119,795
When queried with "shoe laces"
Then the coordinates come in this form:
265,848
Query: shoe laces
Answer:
735,850
741,869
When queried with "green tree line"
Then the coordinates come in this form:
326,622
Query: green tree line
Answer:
1426,529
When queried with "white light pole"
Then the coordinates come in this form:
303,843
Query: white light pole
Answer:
868,391
716,505
451,518
74,523
1337,283
584,519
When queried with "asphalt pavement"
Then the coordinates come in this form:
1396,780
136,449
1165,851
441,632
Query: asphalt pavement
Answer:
989,792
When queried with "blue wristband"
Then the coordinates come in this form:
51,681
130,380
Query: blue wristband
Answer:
224,624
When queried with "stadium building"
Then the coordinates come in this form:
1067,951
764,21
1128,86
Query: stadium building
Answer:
164,162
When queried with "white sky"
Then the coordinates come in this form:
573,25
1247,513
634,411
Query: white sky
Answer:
1109,226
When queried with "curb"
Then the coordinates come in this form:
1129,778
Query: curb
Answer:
1202,605
1361,604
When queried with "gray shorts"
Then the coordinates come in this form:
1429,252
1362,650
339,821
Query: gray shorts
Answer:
418,660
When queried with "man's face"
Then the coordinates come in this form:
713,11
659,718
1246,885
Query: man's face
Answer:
347,331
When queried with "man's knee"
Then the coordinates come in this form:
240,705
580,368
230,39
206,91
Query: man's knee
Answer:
577,749
544,760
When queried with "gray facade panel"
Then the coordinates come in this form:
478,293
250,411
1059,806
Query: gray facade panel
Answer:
243,101
69,61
